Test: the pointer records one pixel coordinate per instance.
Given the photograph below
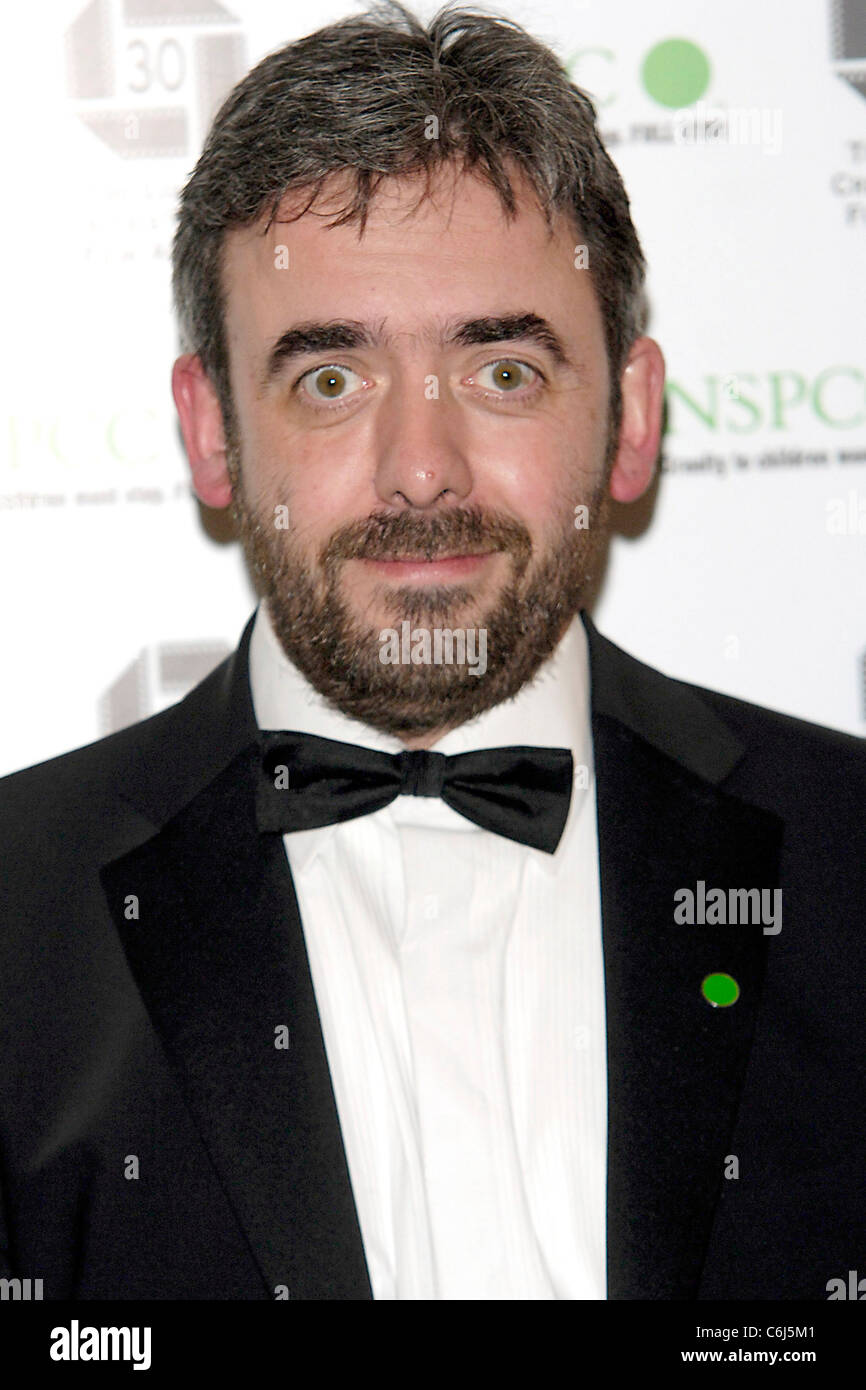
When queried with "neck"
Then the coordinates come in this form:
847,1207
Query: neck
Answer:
415,741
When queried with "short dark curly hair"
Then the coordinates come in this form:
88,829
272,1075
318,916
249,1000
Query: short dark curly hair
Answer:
357,96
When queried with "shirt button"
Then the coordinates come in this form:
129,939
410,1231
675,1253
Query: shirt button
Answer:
431,907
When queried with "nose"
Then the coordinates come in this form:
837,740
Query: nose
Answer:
420,459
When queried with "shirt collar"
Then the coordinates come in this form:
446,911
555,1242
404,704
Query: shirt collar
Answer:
551,711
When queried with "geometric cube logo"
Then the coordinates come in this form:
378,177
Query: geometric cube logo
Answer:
159,676
848,42
147,76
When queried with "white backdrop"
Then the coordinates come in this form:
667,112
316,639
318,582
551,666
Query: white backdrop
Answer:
740,130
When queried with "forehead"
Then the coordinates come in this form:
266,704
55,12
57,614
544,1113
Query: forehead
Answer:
425,252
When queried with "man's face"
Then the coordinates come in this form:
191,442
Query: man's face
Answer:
419,449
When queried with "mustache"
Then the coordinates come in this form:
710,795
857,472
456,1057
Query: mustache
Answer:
466,530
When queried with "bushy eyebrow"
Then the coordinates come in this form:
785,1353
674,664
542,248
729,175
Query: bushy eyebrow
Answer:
527,328
346,334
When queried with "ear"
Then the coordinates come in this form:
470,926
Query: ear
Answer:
201,425
642,385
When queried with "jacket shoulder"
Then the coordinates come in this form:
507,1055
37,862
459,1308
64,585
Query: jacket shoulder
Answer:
93,763
812,776
756,724
717,734
77,788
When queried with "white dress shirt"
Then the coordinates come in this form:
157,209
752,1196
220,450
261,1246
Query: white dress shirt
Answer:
459,981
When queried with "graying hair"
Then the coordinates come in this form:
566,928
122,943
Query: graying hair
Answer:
356,96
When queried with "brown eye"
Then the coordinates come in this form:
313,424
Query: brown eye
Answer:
329,383
505,375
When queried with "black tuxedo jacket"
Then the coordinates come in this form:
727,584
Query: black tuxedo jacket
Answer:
155,1144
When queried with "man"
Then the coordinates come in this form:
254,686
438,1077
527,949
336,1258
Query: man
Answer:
432,947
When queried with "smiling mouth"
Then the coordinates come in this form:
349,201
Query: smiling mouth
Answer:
440,567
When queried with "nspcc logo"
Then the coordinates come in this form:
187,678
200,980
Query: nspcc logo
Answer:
675,72
148,75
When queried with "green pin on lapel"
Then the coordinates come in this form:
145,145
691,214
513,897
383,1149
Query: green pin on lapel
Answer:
720,990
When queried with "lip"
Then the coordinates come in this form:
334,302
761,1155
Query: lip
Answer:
446,567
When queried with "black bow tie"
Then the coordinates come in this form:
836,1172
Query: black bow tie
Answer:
521,793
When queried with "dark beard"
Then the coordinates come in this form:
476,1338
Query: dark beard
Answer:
340,657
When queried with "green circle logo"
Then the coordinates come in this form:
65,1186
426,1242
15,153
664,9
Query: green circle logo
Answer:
676,72
720,990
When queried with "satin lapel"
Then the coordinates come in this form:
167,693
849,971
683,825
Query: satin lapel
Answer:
675,1063
218,953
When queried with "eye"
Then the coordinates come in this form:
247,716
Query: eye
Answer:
329,383
506,375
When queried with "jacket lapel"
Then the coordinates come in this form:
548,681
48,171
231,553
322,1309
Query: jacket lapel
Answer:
217,950
675,1063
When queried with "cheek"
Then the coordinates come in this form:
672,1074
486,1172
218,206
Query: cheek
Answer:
535,482
281,468
318,502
